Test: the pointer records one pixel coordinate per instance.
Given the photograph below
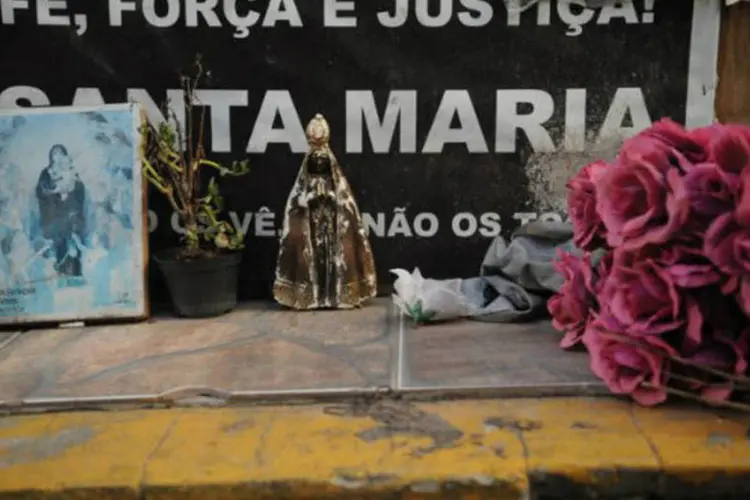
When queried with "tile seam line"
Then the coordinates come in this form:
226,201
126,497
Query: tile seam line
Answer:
400,353
7,342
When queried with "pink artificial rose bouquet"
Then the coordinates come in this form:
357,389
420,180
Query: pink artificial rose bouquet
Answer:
665,311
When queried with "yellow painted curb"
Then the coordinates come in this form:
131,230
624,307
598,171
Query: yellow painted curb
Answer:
490,449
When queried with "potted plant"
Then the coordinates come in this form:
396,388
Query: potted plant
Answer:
202,274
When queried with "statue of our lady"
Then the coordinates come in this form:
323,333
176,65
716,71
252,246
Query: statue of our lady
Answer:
325,260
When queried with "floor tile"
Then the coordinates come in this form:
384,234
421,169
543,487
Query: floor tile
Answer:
258,347
481,355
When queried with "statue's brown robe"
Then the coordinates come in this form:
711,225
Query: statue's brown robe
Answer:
296,283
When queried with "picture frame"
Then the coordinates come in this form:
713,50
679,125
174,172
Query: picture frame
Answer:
73,215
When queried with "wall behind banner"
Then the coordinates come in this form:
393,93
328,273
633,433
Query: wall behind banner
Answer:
733,94
453,125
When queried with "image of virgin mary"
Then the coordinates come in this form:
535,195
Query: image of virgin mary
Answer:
325,259
64,211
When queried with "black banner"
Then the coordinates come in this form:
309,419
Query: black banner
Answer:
454,120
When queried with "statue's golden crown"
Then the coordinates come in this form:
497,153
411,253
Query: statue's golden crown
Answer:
318,132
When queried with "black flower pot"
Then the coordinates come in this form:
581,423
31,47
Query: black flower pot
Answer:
201,288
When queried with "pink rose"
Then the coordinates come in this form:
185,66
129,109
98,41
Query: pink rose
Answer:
570,307
687,265
693,334
640,297
741,129
629,366
603,270
720,311
727,245
730,150
667,140
724,354
641,202
743,296
711,193
588,230
705,136
742,208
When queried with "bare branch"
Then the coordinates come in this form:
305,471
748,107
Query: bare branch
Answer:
172,156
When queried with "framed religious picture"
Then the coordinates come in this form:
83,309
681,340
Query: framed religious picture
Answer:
73,233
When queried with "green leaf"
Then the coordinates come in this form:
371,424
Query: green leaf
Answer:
219,203
419,315
213,189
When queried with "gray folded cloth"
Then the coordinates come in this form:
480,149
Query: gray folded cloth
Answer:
517,277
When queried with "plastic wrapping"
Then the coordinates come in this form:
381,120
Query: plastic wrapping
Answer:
515,280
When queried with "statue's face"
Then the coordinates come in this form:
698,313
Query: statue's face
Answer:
319,165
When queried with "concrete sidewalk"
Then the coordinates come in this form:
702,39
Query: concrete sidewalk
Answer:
483,449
